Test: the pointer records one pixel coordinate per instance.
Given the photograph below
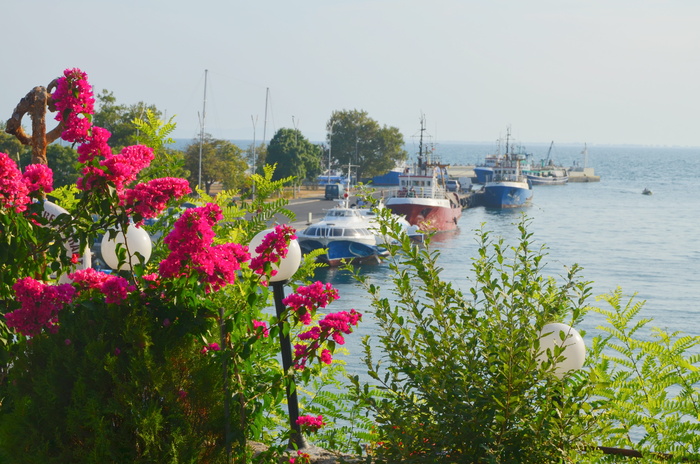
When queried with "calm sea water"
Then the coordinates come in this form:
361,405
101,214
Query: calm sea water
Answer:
649,245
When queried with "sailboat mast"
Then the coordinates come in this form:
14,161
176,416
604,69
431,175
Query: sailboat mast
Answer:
201,133
267,95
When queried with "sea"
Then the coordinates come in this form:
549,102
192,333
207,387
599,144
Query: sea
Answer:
647,245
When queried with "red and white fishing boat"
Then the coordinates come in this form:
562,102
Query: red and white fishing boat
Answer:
422,196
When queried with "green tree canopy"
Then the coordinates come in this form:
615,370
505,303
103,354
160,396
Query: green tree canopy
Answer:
222,161
294,156
359,140
117,119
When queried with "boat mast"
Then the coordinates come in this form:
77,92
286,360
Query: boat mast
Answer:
201,133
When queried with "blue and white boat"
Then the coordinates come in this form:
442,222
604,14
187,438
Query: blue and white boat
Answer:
508,187
346,234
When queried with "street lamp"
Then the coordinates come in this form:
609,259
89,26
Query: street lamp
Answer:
556,336
136,240
285,268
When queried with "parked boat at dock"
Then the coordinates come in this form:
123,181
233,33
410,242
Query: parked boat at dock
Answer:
422,196
508,187
346,234
547,172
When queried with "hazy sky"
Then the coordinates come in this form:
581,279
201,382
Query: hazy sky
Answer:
572,71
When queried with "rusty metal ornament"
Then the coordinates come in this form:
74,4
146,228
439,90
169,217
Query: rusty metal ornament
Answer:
35,103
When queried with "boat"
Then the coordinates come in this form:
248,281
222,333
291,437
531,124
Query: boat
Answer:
646,191
347,236
485,170
422,196
508,187
547,173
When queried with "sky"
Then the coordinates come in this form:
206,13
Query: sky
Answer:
570,71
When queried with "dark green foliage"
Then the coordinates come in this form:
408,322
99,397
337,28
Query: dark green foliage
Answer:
221,161
115,385
359,140
294,156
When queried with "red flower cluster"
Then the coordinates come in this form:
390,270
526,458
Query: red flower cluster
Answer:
14,193
38,178
311,423
306,300
333,326
40,306
192,250
74,101
114,288
150,199
273,247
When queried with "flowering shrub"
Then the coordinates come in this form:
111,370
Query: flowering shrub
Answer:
139,366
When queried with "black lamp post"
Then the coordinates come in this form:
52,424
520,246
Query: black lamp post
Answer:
285,270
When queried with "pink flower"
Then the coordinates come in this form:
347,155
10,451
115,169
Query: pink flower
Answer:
301,458
305,300
39,178
89,278
95,146
326,357
122,168
273,247
150,199
192,250
67,341
73,100
40,305
116,289
13,191
263,325
311,423
214,346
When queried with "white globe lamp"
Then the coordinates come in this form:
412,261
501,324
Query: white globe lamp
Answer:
556,336
287,266
136,241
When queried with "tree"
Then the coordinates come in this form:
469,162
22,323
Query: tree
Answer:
358,140
259,158
222,161
155,133
294,155
117,119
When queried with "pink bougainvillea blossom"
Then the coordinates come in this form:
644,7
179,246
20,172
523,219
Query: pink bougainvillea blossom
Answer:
332,326
89,278
310,423
122,168
301,458
13,190
149,199
38,178
192,250
306,300
95,146
326,357
273,247
115,288
40,305
264,330
74,101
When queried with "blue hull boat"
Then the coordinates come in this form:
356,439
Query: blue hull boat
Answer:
507,194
